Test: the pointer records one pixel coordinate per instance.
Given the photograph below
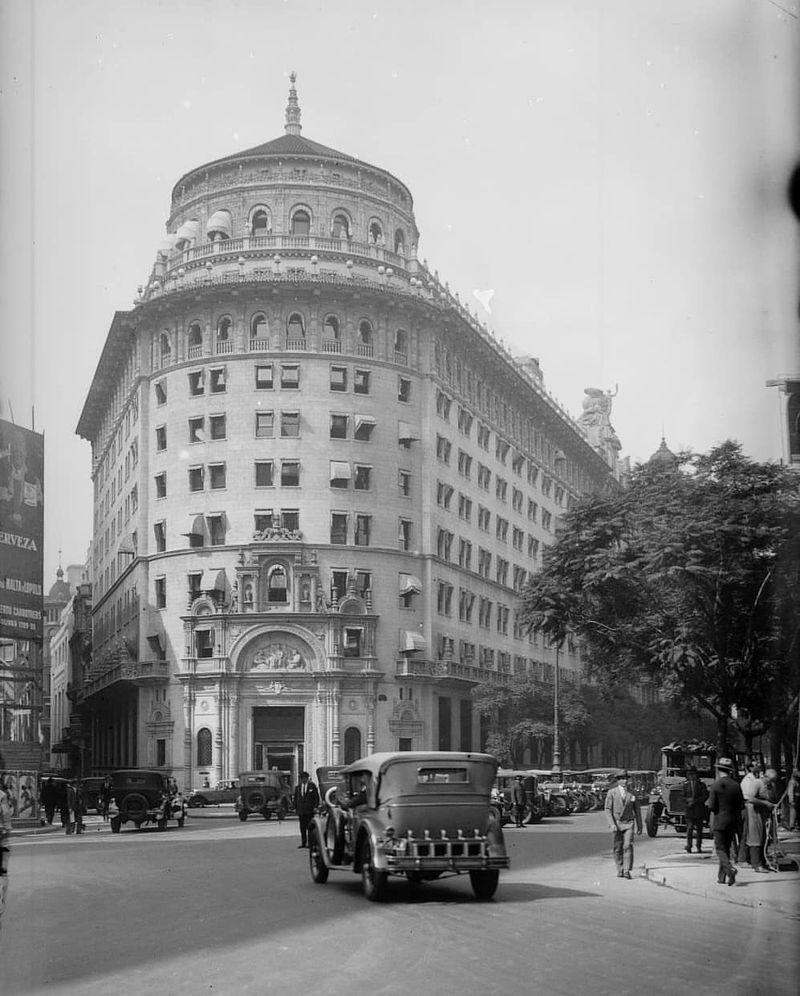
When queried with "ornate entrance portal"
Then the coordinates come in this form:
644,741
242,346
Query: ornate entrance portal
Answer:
278,739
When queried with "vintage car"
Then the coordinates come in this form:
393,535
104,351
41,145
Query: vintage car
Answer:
416,814
263,792
141,796
222,792
666,805
501,795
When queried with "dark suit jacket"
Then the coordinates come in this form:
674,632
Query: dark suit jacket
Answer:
695,794
304,805
725,801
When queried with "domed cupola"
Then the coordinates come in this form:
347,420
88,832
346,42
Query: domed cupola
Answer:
663,458
60,591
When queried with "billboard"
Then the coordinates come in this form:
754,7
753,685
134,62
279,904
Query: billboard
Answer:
21,531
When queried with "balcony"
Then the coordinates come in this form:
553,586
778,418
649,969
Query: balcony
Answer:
224,346
259,345
141,673
331,346
451,670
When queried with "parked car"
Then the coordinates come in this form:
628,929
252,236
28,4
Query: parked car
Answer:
667,806
141,796
265,792
414,814
501,795
222,792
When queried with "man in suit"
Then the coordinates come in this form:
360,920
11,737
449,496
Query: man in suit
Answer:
725,801
518,800
695,794
622,813
306,800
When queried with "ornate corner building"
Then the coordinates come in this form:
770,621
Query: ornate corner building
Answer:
319,482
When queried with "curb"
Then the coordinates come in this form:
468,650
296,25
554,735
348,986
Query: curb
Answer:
735,898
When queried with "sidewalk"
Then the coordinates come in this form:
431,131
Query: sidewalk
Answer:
696,874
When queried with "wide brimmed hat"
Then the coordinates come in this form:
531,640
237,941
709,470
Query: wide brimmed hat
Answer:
725,763
619,774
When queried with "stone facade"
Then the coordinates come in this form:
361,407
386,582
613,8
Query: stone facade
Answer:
320,482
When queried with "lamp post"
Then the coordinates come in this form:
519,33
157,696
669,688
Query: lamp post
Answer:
556,769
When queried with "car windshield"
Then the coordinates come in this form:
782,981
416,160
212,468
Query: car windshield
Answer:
442,776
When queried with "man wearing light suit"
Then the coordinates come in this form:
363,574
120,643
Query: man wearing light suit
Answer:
623,814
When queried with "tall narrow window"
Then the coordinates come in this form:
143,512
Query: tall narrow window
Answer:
301,223
295,327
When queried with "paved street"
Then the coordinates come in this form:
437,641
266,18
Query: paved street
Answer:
226,907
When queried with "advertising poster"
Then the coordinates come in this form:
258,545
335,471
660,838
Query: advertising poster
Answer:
21,531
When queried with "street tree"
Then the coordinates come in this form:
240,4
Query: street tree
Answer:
688,577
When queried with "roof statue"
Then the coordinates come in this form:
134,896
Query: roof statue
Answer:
596,420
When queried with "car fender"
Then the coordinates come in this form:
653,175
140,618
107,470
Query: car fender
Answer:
371,830
318,826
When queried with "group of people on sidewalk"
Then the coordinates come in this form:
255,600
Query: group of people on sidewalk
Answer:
70,802
739,816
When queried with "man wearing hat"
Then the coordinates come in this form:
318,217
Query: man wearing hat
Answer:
623,813
725,801
306,800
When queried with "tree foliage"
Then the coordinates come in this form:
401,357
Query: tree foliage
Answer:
688,577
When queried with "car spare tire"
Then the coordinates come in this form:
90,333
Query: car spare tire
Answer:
256,801
133,807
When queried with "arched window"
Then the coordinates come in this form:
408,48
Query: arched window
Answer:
224,326
375,233
195,335
295,327
301,223
166,347
277,587
259,328
399,242
204,754
352,744
331,328
401,342
260,223
365,333
219,226
340,227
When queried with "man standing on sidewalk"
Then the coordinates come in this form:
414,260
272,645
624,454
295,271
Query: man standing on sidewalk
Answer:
622,813
725,801
695,794
306,800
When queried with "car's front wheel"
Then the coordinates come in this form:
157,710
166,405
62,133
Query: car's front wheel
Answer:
373,880
316,863
484,883
651,821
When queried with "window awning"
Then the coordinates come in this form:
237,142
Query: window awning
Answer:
364,420
412,641
126,546
220,221
410,585
167,244
188,231
405,433
198,527
154,627
220,582
340,470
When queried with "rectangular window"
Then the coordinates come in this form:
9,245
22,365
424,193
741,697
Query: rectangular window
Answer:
338,381
500,489
290,376
443,405
161,753
196,478
484,562
204,643
196,433
532,509
338,426
464,463
265,474
444,493
161,392
217,426
465,554
338,527
364,582
290,474
351,645
484,518
161,484
516,499
501,450
404,482
502,571
338,585
340,474
403,389
517,536
197,384
443,447
290,519
363,529
533,546
216,529
161,593
501,529
361,381
364,426
262,519
217,380
160,533
484,477
363,478
265,425
290,425
216,472
547,519
516,463
464,508
533,473
264,377
464,421
194,580
404,534
444,598
483,436
161,437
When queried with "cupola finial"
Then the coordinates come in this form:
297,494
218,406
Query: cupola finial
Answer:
293,126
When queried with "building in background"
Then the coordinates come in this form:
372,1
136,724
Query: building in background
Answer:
320,482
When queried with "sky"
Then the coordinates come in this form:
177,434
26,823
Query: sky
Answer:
613,171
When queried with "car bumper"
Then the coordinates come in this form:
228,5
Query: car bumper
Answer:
405,863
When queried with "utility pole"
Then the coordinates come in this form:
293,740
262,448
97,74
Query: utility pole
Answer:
556,769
